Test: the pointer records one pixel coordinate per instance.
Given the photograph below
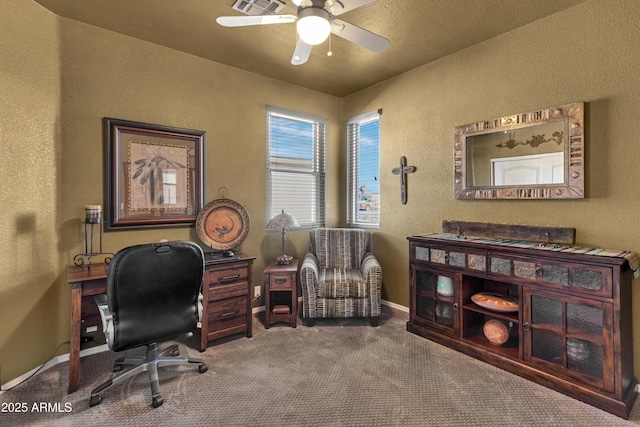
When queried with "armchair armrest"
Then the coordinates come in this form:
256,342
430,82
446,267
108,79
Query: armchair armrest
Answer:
309,284
372,272
106,316
309,269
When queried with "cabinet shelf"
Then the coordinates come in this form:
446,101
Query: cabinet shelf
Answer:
436,296
508,349
591,337
510,317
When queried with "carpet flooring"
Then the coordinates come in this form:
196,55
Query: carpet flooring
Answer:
337,373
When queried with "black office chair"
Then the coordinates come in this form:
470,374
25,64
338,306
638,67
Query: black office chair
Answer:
153,293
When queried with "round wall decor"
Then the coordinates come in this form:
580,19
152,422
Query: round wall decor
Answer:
223,224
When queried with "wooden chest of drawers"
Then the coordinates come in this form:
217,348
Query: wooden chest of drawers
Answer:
226,289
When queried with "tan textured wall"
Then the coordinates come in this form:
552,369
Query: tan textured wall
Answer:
105,74
30,294
587,53
59,78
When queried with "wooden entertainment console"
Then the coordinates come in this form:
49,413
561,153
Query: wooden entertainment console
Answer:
571,328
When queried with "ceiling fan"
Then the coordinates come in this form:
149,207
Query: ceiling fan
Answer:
315,20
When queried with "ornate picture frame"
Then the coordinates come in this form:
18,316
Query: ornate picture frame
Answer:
541,152
154,175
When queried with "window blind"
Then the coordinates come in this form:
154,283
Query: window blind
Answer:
296,166
363,170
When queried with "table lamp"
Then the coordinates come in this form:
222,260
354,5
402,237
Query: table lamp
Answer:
283,221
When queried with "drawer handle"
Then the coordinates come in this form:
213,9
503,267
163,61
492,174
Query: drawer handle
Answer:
281,280
539,271
232,313
229,278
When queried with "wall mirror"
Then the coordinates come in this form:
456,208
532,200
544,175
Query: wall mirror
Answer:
533,155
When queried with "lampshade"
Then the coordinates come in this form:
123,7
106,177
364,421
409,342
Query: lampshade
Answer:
282,221
313,25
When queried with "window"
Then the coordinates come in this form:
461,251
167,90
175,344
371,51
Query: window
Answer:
363,170
169,186
295,166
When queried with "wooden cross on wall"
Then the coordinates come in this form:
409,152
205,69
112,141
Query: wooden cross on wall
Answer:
403,170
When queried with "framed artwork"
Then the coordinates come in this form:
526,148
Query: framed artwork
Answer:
154,175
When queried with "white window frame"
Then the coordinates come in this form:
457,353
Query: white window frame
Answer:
355,216
286,176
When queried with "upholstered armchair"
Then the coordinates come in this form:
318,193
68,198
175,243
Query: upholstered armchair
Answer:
340,277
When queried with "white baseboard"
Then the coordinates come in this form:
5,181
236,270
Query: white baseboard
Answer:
394,305
53,362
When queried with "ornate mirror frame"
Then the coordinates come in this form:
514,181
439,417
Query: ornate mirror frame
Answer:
571,138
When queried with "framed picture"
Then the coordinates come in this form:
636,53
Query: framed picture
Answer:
154,175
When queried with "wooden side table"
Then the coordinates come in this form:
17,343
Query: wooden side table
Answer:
281,293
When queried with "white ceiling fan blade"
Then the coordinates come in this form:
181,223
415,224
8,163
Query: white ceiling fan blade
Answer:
244,21
301,53
337,7
359,36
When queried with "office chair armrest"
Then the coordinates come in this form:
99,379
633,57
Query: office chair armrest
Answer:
106,316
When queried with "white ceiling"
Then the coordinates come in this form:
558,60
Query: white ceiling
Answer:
420,31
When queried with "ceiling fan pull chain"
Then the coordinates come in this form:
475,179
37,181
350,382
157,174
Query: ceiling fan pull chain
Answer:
329,53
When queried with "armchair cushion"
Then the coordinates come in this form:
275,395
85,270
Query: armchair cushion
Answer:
341,282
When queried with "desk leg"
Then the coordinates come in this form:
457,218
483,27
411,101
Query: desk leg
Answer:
74,338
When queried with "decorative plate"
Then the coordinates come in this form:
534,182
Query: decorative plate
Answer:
223,224
496,302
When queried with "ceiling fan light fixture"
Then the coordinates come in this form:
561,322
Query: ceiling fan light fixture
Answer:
313,25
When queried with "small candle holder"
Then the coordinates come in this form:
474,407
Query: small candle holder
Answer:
93,217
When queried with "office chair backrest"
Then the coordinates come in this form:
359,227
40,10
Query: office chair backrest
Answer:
152,291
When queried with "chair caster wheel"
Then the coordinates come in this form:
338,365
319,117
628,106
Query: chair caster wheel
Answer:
203,368
117,367
95,400
157,401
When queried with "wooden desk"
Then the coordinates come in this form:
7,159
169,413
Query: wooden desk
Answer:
83,282
227,287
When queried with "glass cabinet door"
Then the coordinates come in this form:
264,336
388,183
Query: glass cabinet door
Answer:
436,299
569,335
